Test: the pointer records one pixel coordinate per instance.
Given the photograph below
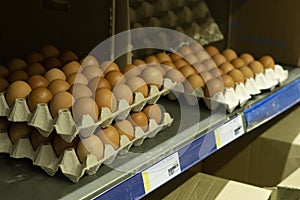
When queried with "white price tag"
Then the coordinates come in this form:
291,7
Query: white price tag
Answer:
161,172
229,131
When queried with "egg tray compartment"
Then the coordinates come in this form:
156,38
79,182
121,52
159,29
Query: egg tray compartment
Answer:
45,157
64,124
238,96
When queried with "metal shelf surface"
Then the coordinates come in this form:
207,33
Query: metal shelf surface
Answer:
123,178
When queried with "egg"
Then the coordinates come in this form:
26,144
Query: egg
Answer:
248,58
49,51
71,68
192,82
187,70
85,106
152,59
37,81
228,81
226,67
175,56
37,139
138,62
175,76
216,72
206,76
168,65
16,64
77,77
202,55
67,56
3,84
115,77
89,61
163,57
4,124
108,66
54,74
17,75
17,89
185,50
247,72
34,57
92,71
212,50
152,76
213,86
180,63
139,119
229,54
195,46
137,84
237,76
209,64
158,67
61,100
154,112
122,91
105,98
79,90
219,59
125,127
38,95
109,135
130,71
98,82
35,69
90,145
3,71
191,58
60,145
18,130
238,63
58,85
52,62
256,67
267,61
199,67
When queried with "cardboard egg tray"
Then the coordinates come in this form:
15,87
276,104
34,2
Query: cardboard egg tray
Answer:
64,124
68,162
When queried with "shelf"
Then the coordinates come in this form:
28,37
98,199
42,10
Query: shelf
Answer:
192,142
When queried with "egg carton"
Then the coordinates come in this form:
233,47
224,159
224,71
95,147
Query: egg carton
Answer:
45,157
64,124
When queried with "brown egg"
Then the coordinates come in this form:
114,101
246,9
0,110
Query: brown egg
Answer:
79,90
185,50
61,100
219,59
35,69
216,72
209,64
34,57
152,59
229,54
68,56
137,84
152,76
122,91
130,71
109,135
237,76
4,124
256,67
18,130
226,67
228,81
71,67
267,61
98,82
37,139
85,106
60,145
90,145
37,81
52,62
17,89
199,67
3,84
238,63
16,64
213,86
115,77
175,76
247,72
195,46
153,112
108,66
175,56
139,119
191,58
212,50
49,51
38,95
180,63
54,74
206,76
58,85
163,57
77,77
89,61
192,82
3,71
92,71
158,67
168,65
202,55
125,127
138,62
105,98
187,70
248,58
17,75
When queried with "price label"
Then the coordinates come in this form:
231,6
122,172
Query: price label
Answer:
229,131
161,172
